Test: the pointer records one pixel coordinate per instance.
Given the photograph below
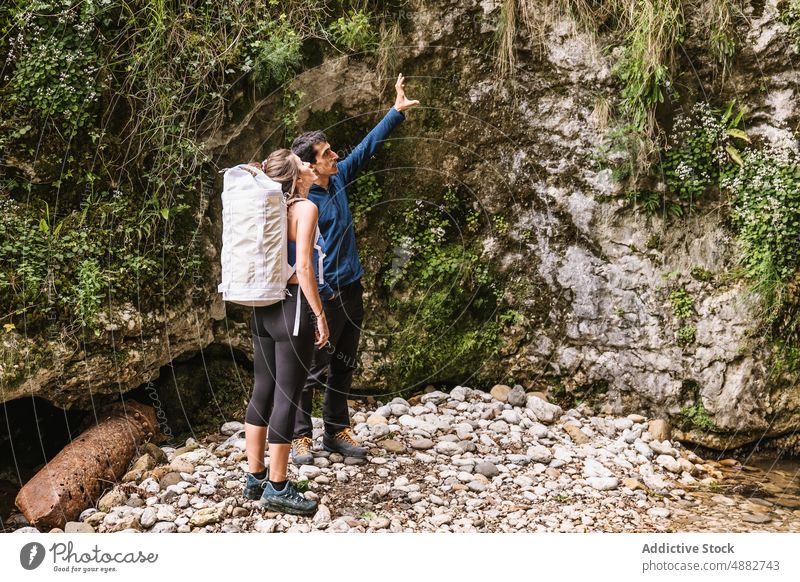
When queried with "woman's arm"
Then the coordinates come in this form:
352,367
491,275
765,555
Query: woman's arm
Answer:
306,215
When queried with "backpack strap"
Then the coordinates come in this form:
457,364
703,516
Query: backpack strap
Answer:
319,241
297,313
320,255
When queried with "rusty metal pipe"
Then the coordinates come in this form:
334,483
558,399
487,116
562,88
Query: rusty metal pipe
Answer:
76,477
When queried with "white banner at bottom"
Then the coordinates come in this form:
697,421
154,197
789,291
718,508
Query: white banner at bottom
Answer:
396,557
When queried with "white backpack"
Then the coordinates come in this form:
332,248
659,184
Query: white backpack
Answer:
255,267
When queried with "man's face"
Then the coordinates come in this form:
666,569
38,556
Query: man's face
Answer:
325,164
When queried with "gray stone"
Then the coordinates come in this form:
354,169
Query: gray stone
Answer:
662,448
231,428
436,397
662,512
539,454
148,518
477,486
669,463
441,519
322,517
459,393
447,448
309,471
511,416
544,411
643,449
265,525
488,470
603,483
593,468
756,518
378,522
517,396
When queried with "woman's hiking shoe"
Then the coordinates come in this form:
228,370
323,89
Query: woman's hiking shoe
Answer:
288,500
344,443
301,451
253,487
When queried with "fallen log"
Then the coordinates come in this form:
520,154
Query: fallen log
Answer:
76,477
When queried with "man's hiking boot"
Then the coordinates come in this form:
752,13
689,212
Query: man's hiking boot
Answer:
301,451
288,500
253,487
344,443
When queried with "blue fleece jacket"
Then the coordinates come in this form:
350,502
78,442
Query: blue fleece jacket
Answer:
341,264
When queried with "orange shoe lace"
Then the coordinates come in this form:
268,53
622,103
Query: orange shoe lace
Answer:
347,436
302,445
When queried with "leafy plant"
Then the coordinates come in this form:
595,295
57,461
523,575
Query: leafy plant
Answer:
645,62
765,194
686,335
682,303
364,194
354,32
790,16
273,51
696,416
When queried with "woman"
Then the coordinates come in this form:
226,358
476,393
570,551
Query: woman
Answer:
281,358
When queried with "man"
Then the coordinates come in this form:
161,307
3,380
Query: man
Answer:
333,366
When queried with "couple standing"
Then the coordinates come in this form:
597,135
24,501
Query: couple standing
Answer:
322,354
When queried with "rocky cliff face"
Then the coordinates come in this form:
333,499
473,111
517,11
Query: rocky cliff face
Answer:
580,282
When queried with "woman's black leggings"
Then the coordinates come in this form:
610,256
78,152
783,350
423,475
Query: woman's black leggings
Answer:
281,363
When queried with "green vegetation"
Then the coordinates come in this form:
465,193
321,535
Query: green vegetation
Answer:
354,32
701,274
701,147
291,110
790,16
682,303
104,109
720,18
696,417
644,66
704,146
364,194
786,358
447,315
653,242
686,335
765,195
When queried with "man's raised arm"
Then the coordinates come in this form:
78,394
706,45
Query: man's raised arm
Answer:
353,163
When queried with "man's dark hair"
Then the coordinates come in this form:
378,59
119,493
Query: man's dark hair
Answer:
303,145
